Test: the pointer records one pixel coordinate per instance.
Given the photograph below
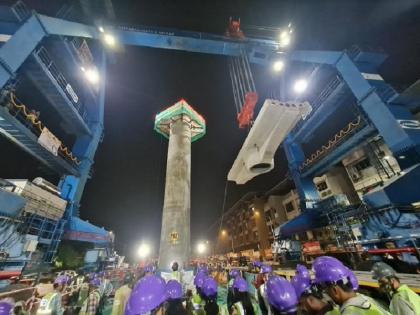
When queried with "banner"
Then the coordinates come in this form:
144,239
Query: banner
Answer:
49,141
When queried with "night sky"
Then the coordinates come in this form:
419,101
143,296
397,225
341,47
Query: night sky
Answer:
126,192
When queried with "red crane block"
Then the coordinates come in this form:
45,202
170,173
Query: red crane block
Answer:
247,113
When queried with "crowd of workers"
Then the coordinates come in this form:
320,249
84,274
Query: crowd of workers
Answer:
333,290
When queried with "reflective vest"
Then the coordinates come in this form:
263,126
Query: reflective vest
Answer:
176,275
198,305
50,304
407,296
362,305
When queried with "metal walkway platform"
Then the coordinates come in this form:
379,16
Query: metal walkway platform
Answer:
19,134
47,78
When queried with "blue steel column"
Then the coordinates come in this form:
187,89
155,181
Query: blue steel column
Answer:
85,148
18,48
305,186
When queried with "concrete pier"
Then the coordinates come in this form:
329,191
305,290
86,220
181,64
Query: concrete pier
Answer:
182,125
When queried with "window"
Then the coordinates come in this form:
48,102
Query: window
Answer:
289,207
322,186
361,165
256,235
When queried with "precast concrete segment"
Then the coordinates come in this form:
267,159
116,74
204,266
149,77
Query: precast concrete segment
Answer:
175,234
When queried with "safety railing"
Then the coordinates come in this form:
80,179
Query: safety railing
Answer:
21,11
320,98
71,95
338,138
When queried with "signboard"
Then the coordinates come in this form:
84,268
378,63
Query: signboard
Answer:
311,247
49,141
71,92
174,238
409,124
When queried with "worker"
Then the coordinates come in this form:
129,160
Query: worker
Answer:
91,304
51,302
261,295
80,278
259,280
105,289
176,274
281,296
121,296
196,299
310,297
174,295
19,308
6,306
209,294
83,293
149,270
334,277
403,299
243,305
148,295
233,274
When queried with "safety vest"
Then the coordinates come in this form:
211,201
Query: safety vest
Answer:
405,295
176,275
362,305
198,305
49,305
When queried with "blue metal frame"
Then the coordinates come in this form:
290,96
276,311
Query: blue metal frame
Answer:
385,117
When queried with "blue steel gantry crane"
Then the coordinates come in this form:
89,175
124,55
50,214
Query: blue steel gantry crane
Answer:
349,77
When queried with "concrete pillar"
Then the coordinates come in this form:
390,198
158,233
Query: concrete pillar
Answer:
175,234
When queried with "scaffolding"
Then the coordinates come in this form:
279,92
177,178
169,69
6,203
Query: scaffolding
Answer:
41,219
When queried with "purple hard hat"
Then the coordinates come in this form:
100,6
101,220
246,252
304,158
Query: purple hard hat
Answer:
96,282
234,273
257,263
6,308
281,294
302,271
329,270
173,290
266,269
203,269
61,280
301,284
199,279
209,287
148,294
240,284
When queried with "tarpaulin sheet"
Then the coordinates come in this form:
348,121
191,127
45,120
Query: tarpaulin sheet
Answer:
308,220
80,230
